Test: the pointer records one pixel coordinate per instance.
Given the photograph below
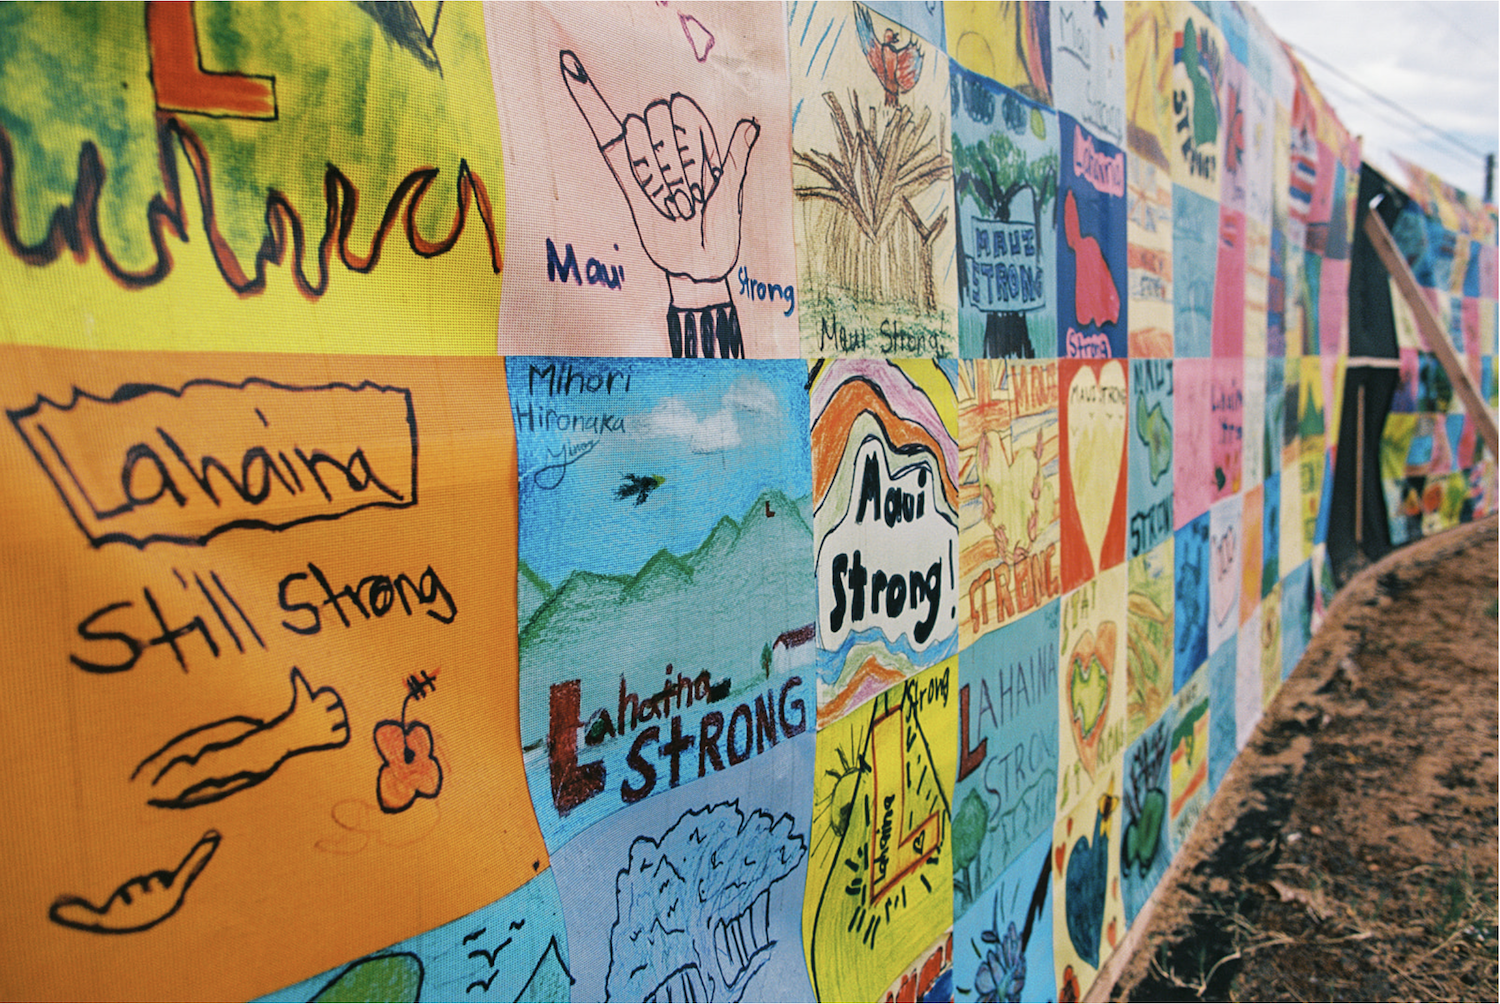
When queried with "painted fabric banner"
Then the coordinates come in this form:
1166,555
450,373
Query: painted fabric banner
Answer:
646,154
659,501
873,181
280,672
1435,470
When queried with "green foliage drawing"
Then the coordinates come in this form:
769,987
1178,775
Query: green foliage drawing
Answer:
969,826
1204,67
993,171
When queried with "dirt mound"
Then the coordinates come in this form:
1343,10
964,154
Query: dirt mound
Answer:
1350,853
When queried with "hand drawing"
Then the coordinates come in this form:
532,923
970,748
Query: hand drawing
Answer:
1096,299
699,37
214,761
408,770
686,201
1155,430
141,902
1001,974
1091,668
1145,804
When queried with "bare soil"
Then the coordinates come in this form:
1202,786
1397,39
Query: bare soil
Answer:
1351,852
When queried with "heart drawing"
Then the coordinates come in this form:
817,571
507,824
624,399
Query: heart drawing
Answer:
1097,407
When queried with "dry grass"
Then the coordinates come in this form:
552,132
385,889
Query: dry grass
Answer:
878,168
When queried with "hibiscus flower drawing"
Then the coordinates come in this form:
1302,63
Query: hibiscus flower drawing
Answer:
408,770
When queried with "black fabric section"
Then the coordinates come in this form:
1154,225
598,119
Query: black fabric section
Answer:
1372,327
1345,553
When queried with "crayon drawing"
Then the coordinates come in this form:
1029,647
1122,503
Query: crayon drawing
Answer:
1005,175
1197,73
1003,944
1145,847
1091,686
1192,558
1195,229
647,247
881,840
1226,536
1253,510
1195,480
1088,65
1221,725
1148,83
873,179
288,637
1188,751
1088,916
1152,436
666,521
1095,404
1149,225
928,978
1149,640
697,894
1092,291
886,525
1006,791
1009,537
1009,42
247,182
514,949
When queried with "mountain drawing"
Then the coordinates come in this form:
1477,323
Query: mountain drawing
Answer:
713,608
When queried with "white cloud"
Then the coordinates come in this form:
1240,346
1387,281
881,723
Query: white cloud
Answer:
673,418
748,395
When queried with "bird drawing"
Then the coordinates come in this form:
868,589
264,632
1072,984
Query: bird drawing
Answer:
638,487
1087,882
897,67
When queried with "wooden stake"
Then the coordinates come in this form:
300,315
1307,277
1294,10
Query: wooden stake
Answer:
1432,330
1359,470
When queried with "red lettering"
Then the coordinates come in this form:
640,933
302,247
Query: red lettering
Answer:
573,783
969,760
182,85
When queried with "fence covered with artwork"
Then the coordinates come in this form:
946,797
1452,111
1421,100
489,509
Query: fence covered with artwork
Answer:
667,501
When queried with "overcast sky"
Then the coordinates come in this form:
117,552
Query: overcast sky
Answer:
1436,59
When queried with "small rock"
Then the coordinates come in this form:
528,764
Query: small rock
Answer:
1316,831
1311,899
